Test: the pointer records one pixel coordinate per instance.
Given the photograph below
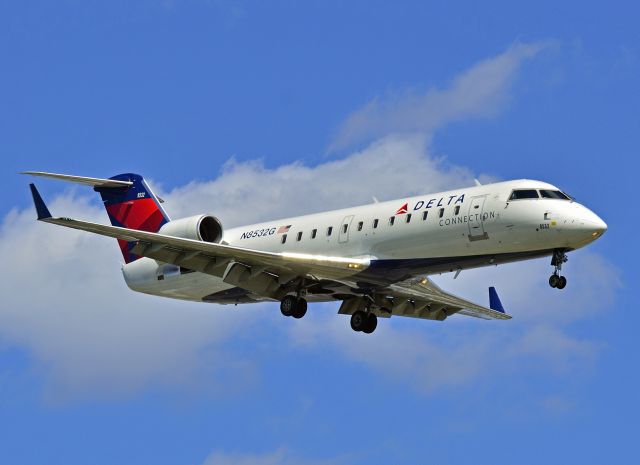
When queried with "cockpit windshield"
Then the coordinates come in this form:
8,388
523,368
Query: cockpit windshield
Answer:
549,194
521,194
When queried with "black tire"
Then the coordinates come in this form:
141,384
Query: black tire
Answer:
553,280
562,282
300,309
288,305
358,321
371,325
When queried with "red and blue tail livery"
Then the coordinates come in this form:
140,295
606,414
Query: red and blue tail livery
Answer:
132,206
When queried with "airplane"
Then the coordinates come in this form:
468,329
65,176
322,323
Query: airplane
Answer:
375,259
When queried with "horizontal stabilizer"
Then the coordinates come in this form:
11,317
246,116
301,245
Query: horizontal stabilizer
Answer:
96,182
41,208
494,301
129,201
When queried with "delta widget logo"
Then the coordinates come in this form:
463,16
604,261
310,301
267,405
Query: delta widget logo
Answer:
403,209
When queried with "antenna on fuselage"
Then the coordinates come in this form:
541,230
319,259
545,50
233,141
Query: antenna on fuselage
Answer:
478,183
375,199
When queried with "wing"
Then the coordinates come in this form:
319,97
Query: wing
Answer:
258,271
421,298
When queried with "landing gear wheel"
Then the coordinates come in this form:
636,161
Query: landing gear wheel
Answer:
288,305
359,321
300,308
293,306
371,324
559,282
562,282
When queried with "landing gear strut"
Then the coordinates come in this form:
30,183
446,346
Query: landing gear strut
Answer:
556,280
364,321
294,306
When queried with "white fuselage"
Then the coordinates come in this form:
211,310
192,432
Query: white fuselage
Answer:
447,231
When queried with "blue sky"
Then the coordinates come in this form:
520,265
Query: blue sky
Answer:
254,110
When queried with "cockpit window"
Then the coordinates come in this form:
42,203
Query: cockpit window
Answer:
520,194
549,194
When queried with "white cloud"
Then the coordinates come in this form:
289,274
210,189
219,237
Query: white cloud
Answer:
390,168
432,356
481,91
65,302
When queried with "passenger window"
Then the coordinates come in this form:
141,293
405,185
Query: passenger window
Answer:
284,238
425,214
456,210
313,233
375,223
344,228
329,230
521,194
409,218
360,224
299,236
441,213
392,220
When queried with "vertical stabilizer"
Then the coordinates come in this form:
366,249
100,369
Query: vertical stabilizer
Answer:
134,206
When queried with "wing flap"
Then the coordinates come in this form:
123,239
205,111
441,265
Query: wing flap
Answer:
422,298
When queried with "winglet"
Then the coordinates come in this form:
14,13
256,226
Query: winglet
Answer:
41,208
494,301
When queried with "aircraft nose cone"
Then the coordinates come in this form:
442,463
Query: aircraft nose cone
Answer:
599,226
593,225
581,226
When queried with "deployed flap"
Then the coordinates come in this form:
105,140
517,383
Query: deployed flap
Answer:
427,300
96,182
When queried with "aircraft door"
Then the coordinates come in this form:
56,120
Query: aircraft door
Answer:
343,236
476,222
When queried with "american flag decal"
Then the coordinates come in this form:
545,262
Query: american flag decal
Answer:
283,229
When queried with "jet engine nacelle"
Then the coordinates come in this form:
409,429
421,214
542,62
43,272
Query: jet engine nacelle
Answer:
204,228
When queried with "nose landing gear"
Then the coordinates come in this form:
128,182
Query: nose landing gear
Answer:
559,282
556,280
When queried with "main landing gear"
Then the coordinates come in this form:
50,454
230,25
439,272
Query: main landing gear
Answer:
293,306
555,280
364,321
